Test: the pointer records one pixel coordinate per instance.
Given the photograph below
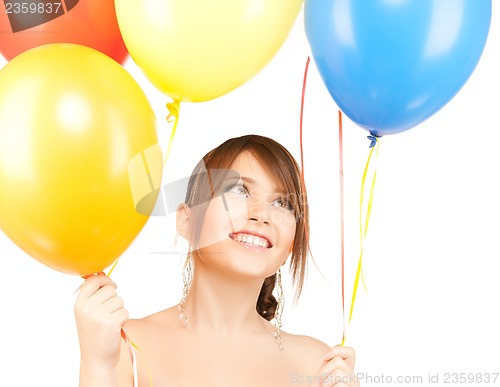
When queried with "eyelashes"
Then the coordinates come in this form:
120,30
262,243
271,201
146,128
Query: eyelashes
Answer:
240,188
283,202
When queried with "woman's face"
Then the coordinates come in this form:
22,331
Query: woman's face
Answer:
248,229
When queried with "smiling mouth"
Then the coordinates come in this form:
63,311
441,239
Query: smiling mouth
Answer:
251,240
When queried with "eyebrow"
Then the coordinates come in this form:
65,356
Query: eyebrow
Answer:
249,180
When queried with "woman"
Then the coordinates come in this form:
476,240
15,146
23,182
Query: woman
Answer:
245,216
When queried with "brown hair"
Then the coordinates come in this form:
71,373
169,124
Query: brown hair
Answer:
210,172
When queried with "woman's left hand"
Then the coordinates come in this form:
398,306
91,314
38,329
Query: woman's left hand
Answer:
338,368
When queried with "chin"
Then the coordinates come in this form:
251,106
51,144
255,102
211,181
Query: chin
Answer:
240,261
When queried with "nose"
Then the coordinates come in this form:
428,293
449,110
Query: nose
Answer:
258,211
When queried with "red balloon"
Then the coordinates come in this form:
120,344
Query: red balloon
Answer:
25,24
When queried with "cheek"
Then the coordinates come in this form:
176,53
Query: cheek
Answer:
290,232
218,222
235,208
287,234
286,224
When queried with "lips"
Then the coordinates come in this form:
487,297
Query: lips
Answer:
251,239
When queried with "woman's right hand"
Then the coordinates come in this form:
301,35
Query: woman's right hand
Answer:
99,315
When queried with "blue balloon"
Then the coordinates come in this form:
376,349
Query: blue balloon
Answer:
391,64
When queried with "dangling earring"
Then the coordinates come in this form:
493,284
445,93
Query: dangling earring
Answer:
187,276
279,310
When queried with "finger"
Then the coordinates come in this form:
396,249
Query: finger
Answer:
338,350
86,305
121,316
113,304
337,363
90,275
86,277
340,378
102,295
334,367
346,353
93,283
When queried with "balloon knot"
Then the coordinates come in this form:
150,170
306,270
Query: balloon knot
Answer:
373,140
173,110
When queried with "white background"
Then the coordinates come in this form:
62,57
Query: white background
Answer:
431,260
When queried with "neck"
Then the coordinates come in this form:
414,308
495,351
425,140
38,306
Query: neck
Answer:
222,304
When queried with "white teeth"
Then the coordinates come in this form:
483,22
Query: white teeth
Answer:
250,240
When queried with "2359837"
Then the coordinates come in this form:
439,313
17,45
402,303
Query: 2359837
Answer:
33,7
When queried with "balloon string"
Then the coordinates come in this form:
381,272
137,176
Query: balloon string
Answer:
302,101
302,178
363,226
174,109
112,268
341,175
131,346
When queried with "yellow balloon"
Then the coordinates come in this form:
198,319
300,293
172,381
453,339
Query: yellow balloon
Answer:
72,121
197,50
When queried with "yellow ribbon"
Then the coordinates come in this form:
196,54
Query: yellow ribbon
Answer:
174,109
363,225
112,268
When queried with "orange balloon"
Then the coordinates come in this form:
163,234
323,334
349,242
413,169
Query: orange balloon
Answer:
25,24
79,157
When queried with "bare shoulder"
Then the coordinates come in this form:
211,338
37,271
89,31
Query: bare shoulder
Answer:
150,325
145,336
308,350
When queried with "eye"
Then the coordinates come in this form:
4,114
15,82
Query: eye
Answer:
239,189
283,203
